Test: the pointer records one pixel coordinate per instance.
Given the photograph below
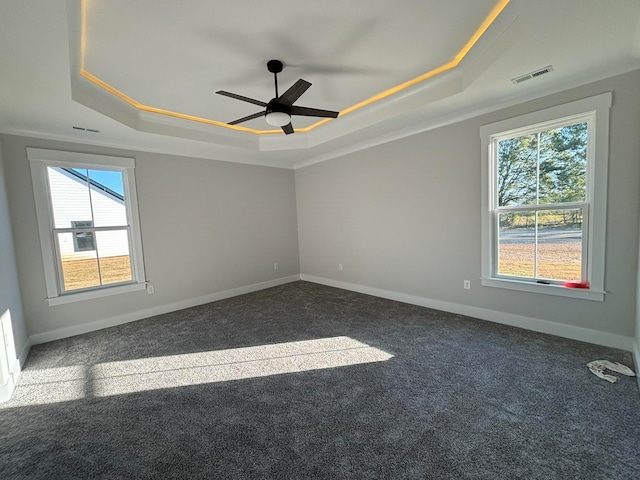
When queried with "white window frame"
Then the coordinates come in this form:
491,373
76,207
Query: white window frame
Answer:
40,159
595,110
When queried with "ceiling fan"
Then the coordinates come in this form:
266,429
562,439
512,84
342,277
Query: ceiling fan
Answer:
279,110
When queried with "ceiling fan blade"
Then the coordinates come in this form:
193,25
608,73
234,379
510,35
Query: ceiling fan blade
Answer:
249,117
338,70
288,129
240,97
295,92
313,112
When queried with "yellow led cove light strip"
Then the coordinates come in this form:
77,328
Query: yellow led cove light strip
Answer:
497,9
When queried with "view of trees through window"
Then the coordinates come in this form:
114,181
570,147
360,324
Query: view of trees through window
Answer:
541,202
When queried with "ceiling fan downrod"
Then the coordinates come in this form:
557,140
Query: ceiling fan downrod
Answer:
275,67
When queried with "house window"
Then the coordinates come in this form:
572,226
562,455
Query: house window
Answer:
101,254
544,200
83,240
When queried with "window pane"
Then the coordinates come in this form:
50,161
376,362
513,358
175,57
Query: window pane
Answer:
563,164
69,195
560,244
517,170
83,240
115,261
107,198
79,269
516,244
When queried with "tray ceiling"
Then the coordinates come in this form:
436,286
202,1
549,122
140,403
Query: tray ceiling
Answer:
145,73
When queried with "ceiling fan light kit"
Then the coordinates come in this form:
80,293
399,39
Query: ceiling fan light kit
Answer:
277,119
279,110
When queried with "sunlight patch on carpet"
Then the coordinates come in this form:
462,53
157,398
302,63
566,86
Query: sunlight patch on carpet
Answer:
115,378
172,371
50,385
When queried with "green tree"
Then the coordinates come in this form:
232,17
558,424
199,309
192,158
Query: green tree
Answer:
543,168
517,159
563,164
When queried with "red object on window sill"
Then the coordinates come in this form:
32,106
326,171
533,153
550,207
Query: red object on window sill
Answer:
576,284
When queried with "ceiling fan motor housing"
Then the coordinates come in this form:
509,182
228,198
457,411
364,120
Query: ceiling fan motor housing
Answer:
275,106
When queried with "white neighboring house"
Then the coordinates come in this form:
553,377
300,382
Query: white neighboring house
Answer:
73,204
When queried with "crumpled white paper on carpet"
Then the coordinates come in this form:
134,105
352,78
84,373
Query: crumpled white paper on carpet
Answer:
598,367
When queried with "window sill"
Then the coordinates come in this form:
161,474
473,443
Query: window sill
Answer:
99,293
559,290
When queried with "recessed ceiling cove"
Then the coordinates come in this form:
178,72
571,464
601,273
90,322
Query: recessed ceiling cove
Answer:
156,65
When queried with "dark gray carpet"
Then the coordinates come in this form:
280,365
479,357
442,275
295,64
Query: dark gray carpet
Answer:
460,399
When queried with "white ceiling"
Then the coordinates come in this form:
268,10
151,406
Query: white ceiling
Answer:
174,55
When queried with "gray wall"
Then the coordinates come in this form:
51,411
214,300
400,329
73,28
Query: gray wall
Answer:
207,227
405,217
9,289
637,332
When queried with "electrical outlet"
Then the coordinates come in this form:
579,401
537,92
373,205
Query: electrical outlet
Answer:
467,285
275,266
339,266
150,289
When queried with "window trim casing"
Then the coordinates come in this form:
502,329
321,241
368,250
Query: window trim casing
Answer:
39,159
597,172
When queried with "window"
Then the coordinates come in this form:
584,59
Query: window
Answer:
544,200
88,222
83,240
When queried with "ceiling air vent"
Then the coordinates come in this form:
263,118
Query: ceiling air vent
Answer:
92,130
529,76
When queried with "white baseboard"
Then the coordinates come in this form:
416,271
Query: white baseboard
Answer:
636,359
528,323
159,310
6,390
